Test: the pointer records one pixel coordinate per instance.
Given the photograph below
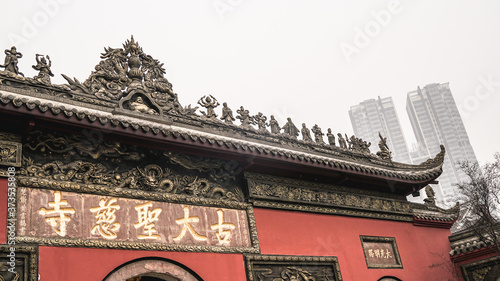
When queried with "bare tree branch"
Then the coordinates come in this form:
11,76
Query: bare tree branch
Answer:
482,196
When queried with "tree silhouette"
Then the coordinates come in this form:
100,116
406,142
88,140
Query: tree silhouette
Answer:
482,195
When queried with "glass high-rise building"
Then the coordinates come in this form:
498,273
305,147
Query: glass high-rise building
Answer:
435,120
379,115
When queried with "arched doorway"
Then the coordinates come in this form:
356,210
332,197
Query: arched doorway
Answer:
152,269
389,278
154,277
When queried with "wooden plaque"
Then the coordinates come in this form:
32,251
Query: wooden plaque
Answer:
67,218
381,252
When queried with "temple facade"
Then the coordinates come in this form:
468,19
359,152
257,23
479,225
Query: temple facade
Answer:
113,179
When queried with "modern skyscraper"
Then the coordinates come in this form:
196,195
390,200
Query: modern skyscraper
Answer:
373,116
435,120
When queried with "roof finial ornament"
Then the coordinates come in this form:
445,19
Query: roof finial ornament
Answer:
122,71
134,62
430,200
209,102
44,72
437,160
384,152
11,60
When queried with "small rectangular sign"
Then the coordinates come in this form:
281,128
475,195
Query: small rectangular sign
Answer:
381,252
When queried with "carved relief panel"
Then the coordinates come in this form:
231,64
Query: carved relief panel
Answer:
288,268
19,262
87,162
10,152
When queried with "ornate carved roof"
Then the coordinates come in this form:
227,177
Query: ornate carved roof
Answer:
468,241
429,214
469,245
127,93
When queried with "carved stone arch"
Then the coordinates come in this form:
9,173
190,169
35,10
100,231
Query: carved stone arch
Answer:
125,102
152,269
389,278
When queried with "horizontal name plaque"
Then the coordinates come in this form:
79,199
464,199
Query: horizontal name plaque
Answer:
59,218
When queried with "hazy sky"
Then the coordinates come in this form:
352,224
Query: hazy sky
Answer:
308,60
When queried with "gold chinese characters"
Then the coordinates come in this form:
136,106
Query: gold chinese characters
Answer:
379,253
186,226
223,235
105,219
57,216
146,219
123,219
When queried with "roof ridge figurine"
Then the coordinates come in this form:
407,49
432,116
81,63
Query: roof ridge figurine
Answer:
318,135
11,60
342,142
260,121
275,126
44,72
331,137
244,116
227,114
209,102
306,134
290,130
384,152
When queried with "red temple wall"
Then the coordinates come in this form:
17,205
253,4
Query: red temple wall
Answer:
423,250
59,263
297,233
3,210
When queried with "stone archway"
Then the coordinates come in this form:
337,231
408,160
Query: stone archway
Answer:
152,269
389,278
